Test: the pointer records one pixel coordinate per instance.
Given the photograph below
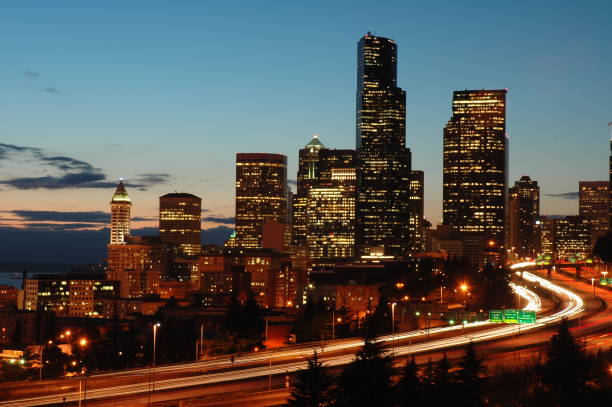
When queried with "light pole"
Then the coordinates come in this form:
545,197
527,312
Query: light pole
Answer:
393,325
83,343
464,289
155,326
593,284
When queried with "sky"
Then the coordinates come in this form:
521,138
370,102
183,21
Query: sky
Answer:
165,93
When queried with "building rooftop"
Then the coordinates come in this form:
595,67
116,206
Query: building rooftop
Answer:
180,195
121,194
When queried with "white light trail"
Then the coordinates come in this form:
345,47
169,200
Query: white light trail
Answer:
573,305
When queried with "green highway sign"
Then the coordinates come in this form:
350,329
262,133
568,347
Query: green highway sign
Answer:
605,281
511,316
526,317
496,315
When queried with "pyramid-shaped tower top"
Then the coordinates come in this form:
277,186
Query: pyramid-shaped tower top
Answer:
121,194
315,143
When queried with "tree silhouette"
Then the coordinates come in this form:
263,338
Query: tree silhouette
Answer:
312,386
471,377
367,380
408,389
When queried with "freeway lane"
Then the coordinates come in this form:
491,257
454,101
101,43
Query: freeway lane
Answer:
572,305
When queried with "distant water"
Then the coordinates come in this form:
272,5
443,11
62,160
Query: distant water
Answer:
10,273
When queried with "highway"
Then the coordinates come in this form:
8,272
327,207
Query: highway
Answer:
283,361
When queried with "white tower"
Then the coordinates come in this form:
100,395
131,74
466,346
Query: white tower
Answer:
120,215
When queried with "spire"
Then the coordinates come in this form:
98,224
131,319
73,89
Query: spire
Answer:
315,143
121,194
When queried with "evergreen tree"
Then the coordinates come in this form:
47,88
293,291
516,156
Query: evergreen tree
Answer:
568,369
367,380
309,322
312,387
408,389
470,377
379,321
442,385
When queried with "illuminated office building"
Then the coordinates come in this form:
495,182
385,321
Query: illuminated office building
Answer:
547,228
383,161
315,170
475,163
417,199
330,215
120,215
594,204
138,265
73,295
573,238
180,224
523,213
261,195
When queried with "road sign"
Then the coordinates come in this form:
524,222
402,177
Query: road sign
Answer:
605,281
496,315
511,316
526,317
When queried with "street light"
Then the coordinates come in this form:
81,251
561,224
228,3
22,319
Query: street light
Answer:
393,325
82,343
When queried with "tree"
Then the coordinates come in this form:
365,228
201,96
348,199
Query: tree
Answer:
470,377
367,380
409,387
309,322
379,321
567,370
603,248
442,383
312,387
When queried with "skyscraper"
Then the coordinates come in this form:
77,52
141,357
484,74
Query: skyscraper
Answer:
383,161
610,181
180,223
593,201
475,163
331,217
261,195
120,215
417,207
523,212
573,238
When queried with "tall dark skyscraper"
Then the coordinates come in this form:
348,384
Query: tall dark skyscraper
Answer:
383,161
523,212
475,163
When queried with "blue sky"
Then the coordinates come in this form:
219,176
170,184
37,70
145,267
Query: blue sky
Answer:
164,93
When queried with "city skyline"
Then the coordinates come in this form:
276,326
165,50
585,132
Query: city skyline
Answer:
36,155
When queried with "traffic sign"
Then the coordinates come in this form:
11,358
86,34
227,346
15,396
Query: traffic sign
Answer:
605,281
496,315
511,316
526,317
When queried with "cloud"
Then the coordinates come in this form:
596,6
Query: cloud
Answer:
31,74
73,173
229,220
566,195
292,182
62,226
55,216
51,90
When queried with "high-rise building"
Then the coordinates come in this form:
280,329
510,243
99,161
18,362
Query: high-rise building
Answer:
547,227
180,223
475,163
383,161
417,207
594,204
573,238
120,215
330,215
523,212
138,265
261,195
610,181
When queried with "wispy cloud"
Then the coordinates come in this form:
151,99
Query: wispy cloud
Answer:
31,74
74,173
566,195
226,220
51,90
